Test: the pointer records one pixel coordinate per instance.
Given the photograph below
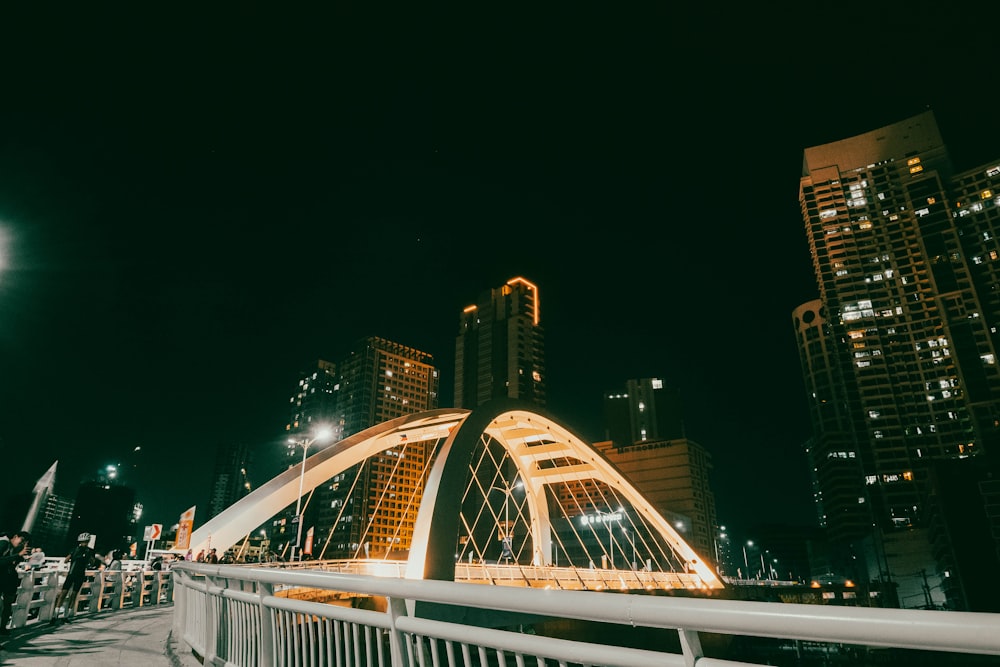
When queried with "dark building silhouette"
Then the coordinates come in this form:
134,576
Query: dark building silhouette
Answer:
107,510
645,410
899,352
230,480
964,524
52,529
500,348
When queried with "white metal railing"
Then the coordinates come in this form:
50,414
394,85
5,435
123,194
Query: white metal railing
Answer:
244,616
102,590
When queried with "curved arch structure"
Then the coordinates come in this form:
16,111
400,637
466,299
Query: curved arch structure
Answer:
544,451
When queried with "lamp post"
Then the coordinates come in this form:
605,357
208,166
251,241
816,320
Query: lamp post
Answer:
630,534
608,517
322,434
746,564
507,489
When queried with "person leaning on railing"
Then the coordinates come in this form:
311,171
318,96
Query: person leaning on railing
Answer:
13,550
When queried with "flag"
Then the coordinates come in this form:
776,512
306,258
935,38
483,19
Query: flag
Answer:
184,529
308,548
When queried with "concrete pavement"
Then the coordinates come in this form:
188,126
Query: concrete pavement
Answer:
133,637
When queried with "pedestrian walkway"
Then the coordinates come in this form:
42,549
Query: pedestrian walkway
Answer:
134,637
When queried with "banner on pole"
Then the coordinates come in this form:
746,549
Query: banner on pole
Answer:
308,548
184,530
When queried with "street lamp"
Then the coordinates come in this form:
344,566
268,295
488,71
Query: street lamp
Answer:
608,517
322,435
746,572
508,489
630,534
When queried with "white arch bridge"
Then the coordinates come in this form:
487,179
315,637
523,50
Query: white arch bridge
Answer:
503,494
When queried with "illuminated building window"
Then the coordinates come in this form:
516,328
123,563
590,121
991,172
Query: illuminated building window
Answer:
986,194
917,169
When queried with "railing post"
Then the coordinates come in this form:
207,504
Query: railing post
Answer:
90,593
167,586
154,588
398,654
267,656
111,589
180,603
690,646
25,589
211,622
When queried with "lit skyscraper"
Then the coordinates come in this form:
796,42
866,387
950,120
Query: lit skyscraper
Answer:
373,506
500,349
899,352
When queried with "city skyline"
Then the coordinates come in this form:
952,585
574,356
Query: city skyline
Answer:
183,234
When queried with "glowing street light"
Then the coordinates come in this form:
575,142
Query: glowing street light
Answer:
746,573
322,434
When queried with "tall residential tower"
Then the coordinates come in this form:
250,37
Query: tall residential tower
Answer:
371,509
899,353
500,349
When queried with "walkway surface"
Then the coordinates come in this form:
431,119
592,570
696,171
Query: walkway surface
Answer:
134,637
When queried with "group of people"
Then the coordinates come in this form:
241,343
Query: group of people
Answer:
202,557
14,550
16,554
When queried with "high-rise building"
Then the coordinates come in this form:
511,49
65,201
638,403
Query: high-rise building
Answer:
645,410
371,509
313,402
899,353
646,429
51,531
500,348
230,480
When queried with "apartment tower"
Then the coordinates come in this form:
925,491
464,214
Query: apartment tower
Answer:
899,353
500,348
371,509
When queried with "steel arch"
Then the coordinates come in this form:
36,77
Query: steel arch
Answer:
529,434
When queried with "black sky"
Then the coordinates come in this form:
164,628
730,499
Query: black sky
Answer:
196,205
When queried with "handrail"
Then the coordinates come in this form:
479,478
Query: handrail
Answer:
102,591
242,616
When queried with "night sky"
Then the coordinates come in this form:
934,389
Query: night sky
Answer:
196,206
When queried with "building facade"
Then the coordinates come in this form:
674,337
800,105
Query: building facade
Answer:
371,509
644,424
899,353
645,410
500,348
230,479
